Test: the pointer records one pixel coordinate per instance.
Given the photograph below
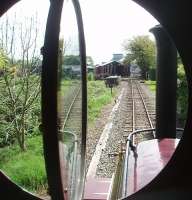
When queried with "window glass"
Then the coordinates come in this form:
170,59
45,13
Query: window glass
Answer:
70,102
22,31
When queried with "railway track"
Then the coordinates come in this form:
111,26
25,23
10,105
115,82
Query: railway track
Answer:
70,133
70,111
142,111
138,108
136,111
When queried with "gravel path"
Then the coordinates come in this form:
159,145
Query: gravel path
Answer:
95,130
108,163
122,126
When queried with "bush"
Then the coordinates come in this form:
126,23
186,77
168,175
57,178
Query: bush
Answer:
90,76
8,128
98,96
151,85
182,94
152,74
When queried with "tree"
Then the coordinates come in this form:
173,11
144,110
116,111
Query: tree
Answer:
90,61
140,49
182,93
20,82
71,60
3,58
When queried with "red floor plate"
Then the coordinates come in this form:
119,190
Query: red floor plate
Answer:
97,188
153,155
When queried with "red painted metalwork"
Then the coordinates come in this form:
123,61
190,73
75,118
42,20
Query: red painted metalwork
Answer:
97,188
153,155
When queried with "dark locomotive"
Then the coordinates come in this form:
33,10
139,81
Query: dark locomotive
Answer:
173,181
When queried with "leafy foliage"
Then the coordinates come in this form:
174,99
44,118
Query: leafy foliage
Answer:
90,76
182,94
151,85
90,61
20,66
19,108
71,60
140,49
3,59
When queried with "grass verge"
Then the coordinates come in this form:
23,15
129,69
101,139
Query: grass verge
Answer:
151,85
98,96
27,169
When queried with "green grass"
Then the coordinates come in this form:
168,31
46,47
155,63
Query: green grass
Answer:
151,85
27,169
66,85
98,96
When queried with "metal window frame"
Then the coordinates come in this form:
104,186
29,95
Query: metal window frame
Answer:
49,97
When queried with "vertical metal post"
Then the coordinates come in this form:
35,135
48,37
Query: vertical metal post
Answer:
166,84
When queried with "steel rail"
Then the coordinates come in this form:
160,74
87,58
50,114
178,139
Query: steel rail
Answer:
130,141
125,171
128,149
146,110
133,107
145,130
70,108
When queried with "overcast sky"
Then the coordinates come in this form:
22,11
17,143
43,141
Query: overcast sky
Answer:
107,23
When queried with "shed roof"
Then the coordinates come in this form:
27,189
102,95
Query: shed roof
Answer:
107,63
